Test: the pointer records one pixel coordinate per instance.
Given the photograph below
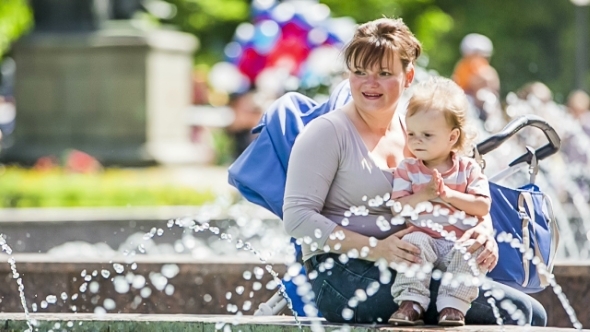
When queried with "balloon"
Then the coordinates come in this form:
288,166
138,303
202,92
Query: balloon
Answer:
266,34
251,63
226,77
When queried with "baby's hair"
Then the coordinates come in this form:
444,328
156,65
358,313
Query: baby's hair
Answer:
443,95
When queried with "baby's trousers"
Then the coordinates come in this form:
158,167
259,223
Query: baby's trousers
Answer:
456,292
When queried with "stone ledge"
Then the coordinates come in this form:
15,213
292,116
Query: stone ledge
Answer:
202,323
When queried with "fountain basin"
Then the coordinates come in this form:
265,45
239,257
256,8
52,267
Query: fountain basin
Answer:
148,323
202,287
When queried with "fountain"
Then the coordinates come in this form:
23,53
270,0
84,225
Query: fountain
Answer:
221,258
101,270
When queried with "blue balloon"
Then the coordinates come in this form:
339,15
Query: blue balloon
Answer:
266,34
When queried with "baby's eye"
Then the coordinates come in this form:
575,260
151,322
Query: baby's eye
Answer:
427,135
410,134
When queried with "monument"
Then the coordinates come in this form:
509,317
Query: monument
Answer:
90,78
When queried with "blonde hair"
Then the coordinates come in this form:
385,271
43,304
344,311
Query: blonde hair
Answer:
381,38
443,95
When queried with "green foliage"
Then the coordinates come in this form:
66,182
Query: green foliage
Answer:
212,21
533,39
15,19
113,187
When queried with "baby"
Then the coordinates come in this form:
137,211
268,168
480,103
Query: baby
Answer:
436,135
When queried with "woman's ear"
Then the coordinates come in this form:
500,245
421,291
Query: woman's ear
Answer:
410,71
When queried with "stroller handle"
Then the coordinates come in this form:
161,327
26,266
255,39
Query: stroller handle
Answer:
515,126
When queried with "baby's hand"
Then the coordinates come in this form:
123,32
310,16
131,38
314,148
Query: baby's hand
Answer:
442,188
431,190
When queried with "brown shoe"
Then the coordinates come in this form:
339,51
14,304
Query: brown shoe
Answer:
406,315
451,317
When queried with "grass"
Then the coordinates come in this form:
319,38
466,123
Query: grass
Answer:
55,187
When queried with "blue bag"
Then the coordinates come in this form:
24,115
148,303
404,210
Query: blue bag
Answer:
525,215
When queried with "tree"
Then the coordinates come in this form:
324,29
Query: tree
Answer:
15,19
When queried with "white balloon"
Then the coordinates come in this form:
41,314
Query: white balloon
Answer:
226,77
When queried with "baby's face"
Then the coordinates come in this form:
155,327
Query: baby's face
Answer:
429,135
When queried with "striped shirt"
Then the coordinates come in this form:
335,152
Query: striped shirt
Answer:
465,175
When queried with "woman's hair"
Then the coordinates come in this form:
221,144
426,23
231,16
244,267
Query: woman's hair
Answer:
381,38
443,95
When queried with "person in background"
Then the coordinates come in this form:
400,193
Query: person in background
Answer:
247,114
480,81
578,105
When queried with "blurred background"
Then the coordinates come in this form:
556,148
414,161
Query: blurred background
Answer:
146,102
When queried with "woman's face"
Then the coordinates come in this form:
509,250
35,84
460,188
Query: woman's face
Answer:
380,87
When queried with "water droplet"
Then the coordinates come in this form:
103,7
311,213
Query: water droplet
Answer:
160,232
34,307
99,311
228,295
105,273
247,275
240,290
347,313
94,287
145,292
109,304
51,299
121,284
169,290
317,233
64,296
138,281
170,270
43,304
247,305
83,287
118,268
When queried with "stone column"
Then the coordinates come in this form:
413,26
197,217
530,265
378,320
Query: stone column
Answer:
119,94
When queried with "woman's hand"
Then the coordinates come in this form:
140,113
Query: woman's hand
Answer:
482,236
396,250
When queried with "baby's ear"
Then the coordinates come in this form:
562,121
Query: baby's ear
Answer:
455,134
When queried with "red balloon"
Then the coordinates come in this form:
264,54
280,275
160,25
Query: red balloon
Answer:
251,63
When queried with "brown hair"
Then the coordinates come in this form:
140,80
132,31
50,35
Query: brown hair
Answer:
443,95
381,38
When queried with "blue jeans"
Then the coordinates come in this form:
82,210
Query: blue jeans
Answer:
334,287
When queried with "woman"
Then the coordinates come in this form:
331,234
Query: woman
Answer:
340,171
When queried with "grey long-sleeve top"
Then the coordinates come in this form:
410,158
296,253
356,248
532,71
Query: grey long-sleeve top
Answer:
331,172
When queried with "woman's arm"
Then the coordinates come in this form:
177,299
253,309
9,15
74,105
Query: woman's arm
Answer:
313,164
392,248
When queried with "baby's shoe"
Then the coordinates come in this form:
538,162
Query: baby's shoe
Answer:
409,314
451,317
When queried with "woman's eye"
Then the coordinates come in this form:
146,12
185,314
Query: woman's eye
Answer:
385,73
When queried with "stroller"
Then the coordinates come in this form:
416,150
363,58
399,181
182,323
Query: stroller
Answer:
260,174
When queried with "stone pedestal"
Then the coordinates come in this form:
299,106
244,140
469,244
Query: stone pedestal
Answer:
119,94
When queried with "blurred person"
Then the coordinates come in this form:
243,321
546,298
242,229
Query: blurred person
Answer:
480,81
578,105
247,114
